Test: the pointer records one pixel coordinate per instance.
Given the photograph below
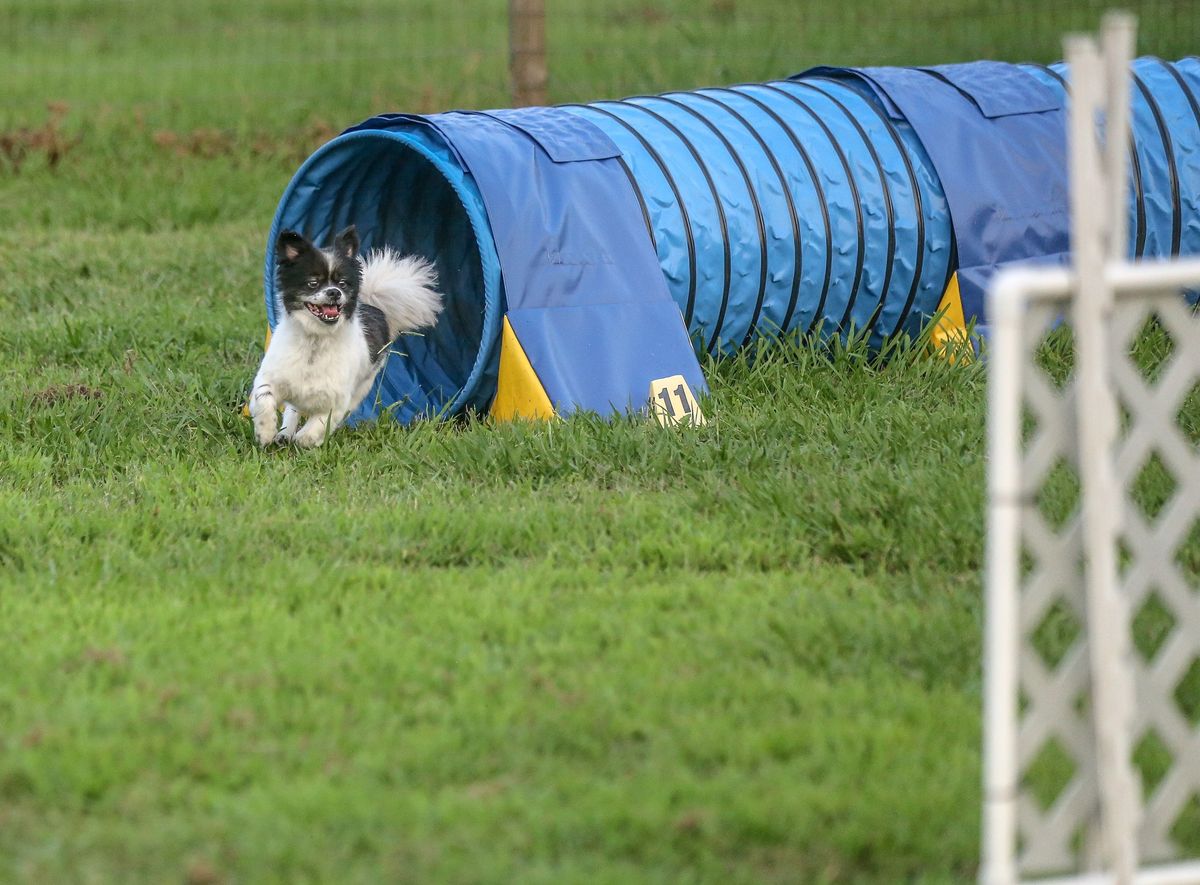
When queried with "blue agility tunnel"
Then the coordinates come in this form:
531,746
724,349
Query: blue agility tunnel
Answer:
586,251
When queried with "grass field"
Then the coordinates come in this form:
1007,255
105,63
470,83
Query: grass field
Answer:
571,652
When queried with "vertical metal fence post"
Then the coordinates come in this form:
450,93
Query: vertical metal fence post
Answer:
527,51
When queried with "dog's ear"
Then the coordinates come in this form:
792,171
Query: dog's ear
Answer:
290,246
345,244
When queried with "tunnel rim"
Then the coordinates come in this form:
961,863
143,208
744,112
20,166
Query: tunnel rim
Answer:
471,204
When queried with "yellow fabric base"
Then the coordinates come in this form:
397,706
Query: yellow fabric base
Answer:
519,393
949,336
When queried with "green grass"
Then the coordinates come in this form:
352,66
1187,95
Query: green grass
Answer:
583,651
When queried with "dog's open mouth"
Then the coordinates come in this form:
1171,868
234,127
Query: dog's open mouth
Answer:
326,313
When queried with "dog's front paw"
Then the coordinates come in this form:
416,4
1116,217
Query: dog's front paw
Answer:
262,409
283,437
308,440
313,433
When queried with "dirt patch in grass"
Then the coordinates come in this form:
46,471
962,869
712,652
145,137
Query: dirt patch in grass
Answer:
207,143
57,393
48,141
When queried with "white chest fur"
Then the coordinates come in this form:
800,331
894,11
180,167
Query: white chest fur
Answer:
317,373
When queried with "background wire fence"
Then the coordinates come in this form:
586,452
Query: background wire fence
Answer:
621,48
276,65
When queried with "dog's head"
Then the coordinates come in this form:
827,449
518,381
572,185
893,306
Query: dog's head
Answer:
318,287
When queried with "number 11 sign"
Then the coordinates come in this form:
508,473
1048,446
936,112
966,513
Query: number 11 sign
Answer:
672,402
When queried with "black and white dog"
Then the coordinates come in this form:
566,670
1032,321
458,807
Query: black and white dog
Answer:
340,316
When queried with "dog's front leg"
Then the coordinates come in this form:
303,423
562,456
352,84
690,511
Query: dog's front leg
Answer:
312,434
262,408
291,423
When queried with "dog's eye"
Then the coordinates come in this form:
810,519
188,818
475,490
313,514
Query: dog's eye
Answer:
312,284
341,282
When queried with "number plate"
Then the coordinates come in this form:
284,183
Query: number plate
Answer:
672,402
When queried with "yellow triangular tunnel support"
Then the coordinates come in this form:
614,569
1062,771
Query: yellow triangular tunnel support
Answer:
949,336
519,393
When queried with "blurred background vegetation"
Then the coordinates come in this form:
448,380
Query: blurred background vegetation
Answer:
276,64
114,98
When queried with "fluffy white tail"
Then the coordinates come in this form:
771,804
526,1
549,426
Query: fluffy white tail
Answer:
403,288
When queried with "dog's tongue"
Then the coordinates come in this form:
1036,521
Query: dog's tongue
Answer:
329,311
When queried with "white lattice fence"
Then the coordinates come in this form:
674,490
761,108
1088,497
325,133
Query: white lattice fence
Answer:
1155,355
1158,469
1058,808
1092,725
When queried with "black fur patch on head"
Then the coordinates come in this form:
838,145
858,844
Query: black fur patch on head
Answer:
302,271
291,246
375,328
345,244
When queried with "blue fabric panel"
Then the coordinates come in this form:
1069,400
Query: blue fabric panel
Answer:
1185,105
734,227
1165,122
575,349
1155,163
875,262
848,201
894,244
560,135
925,239
777,246
408,122
1175,90
569,235
998,89
708,239
973,283
1005,177
667,219
837,264
1055,77
707,232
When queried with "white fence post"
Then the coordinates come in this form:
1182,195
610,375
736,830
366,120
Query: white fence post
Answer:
1092,210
